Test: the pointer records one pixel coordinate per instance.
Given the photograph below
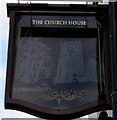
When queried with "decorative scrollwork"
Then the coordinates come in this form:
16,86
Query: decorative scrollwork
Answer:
59,95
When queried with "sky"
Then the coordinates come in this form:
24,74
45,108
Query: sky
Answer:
4,36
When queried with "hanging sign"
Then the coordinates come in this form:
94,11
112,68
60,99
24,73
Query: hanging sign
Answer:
55,65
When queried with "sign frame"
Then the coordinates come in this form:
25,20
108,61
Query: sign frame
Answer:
10,103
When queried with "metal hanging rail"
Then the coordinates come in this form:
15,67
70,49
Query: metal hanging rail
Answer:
95,1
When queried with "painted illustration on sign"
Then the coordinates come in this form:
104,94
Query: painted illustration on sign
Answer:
55,72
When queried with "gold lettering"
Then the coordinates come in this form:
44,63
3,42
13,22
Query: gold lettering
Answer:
40,22
82,22
46,22
55,22
77,22
59,22
33,22
85,23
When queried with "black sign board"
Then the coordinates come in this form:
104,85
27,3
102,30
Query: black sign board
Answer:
58,63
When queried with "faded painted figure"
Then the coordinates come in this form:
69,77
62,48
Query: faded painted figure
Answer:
71,66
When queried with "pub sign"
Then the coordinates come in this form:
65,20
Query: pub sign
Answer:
58,60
